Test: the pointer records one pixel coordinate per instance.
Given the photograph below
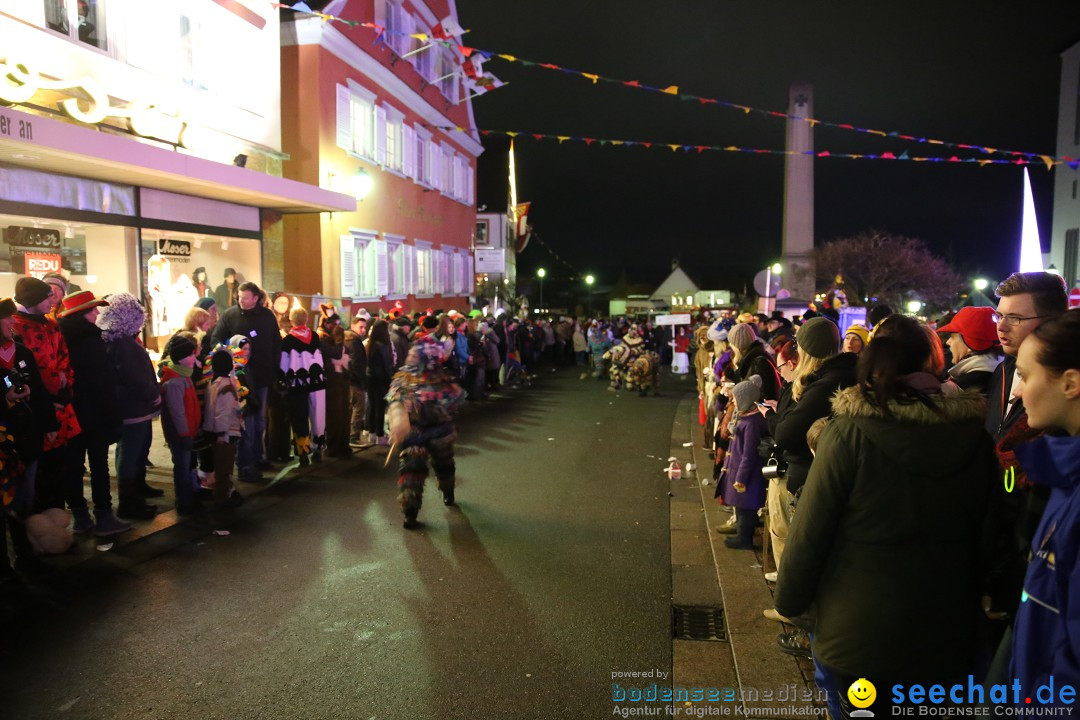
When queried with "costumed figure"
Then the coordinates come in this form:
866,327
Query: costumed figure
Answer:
303,381
644,373
635,345
422,401
599,343
619,359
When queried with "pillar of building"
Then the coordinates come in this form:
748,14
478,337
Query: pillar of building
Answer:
798,245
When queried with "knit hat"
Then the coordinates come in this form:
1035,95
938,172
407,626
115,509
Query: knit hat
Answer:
741,337
976,327
860,332
179,348
484,328
746,393
54,279
7,308
206,303
221,362
362,314
819,338
229,271
29,291
404,322
716,332
429,322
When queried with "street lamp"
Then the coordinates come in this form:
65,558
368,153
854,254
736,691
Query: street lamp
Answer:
774,269
589,280
981,284
914,306
540,273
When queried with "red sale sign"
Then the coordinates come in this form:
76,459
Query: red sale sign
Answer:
38,264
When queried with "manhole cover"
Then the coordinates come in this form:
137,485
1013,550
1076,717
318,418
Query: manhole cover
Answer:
698,623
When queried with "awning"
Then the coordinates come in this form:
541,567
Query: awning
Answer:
51,145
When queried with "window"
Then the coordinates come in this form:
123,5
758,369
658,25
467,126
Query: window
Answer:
446,169
456,271
396,269
424,59
356,120
394,127
446,278
82,20
392,16
422,157
423,270
448,74
408,151
365,266
1072,241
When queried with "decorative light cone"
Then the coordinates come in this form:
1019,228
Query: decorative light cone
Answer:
1030,247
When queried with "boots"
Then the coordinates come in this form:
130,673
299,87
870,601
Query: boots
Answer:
83,523
108,524
410,519
448,497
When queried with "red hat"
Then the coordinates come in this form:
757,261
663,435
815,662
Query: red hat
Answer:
976,327
80,302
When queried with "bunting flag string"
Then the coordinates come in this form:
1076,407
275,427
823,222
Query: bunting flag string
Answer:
556,256
441,37
676,147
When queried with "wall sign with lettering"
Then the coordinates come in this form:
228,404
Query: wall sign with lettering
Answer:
31,237
174,248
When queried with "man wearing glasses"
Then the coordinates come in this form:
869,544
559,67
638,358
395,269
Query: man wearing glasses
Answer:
1025,301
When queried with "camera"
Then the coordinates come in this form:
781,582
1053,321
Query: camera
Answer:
16,381
773,469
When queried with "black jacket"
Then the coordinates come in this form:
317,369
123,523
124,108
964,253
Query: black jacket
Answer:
789,431
95,378
380,367
138,394
264,341
401,347
28,420
756,362
354,345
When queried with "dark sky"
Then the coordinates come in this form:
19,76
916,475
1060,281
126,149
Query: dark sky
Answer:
984,73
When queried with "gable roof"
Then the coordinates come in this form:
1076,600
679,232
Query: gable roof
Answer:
677,283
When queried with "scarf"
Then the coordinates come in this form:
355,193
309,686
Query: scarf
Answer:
181,370
303,334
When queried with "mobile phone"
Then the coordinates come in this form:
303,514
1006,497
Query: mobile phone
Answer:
761,404
7,381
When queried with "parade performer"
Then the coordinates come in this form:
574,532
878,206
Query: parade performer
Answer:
599,343
302,378
636,347
422,401
619,358
644,373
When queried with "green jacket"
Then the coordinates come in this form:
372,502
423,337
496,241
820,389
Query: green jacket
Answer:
887,538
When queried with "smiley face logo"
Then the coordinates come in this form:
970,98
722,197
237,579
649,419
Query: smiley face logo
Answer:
862,693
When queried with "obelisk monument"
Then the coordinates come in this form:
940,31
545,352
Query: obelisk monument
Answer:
798,247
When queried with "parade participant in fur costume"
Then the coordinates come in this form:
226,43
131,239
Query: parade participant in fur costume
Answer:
644,373
635,345
618,358
422,401
302,379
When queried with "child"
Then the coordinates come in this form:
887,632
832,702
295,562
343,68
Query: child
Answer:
744,485
303,380
180,417
223,425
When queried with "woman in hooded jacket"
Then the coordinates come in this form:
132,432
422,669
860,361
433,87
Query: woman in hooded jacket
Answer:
751,358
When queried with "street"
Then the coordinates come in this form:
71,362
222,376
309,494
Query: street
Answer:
552,574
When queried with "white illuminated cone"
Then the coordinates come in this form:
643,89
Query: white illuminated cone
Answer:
1030,247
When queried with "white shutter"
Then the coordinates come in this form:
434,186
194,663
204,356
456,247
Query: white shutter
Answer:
430,165
380,136
410,270
470,275
348,266
382,269
408,150
470,194
344,118
380,12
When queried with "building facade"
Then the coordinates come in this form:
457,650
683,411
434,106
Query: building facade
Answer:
377,115
140,149
1065,235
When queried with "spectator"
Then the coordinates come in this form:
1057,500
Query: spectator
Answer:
974,346
250,317
877,314
381,361
223,425
741,482
577,337
94,400
1047,627
493,361
399,346
302,377
199,282
750,358
358,378
138,402
777,497
335,359
855,339
680,364
227,294
865,544
180,416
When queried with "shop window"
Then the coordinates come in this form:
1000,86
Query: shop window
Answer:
82,20
179,268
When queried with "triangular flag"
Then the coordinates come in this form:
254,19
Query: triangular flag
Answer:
1048,161
671,90
509,58
422,37
594,78
904,155
888,156
632,83
674,147
301,7
446,28
1074,164
823,153
562,138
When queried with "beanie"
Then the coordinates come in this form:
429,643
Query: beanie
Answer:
741,337
180,347
430,322
206,303
819,338
55,279
7,308
860,332
746,393
716,332
29,291
221,362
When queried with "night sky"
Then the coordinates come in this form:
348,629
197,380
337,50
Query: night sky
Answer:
982,73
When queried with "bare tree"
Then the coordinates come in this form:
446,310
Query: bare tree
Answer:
891,268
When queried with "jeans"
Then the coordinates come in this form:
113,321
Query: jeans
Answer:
131,454
82,450
358,407
181,473
250,452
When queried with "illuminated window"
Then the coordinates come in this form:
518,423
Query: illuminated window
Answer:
82,20
423,270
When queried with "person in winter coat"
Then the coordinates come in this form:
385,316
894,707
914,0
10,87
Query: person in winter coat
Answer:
27,415
422,401
493,360
94,400
399,337
1046,632
741,482
357,376
380,365
250,317
581,347
302,378
336,368
223,425
973,343
751,358
180,418
855,339
138,402
879,512
41,336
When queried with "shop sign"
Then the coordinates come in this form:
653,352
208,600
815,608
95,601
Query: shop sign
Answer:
681,319
29,237
490,261
20,81
174,248
39,264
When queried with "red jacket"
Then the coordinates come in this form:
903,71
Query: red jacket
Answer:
180,414
42,336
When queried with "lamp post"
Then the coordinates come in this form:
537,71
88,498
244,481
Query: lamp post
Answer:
774,269
981,284
589,280
540,273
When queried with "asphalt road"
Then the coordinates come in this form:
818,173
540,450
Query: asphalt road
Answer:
553,573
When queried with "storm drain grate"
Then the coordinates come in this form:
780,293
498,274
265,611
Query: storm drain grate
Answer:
698,623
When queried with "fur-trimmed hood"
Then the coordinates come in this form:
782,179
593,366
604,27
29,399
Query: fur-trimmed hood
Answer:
124,316
917,438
